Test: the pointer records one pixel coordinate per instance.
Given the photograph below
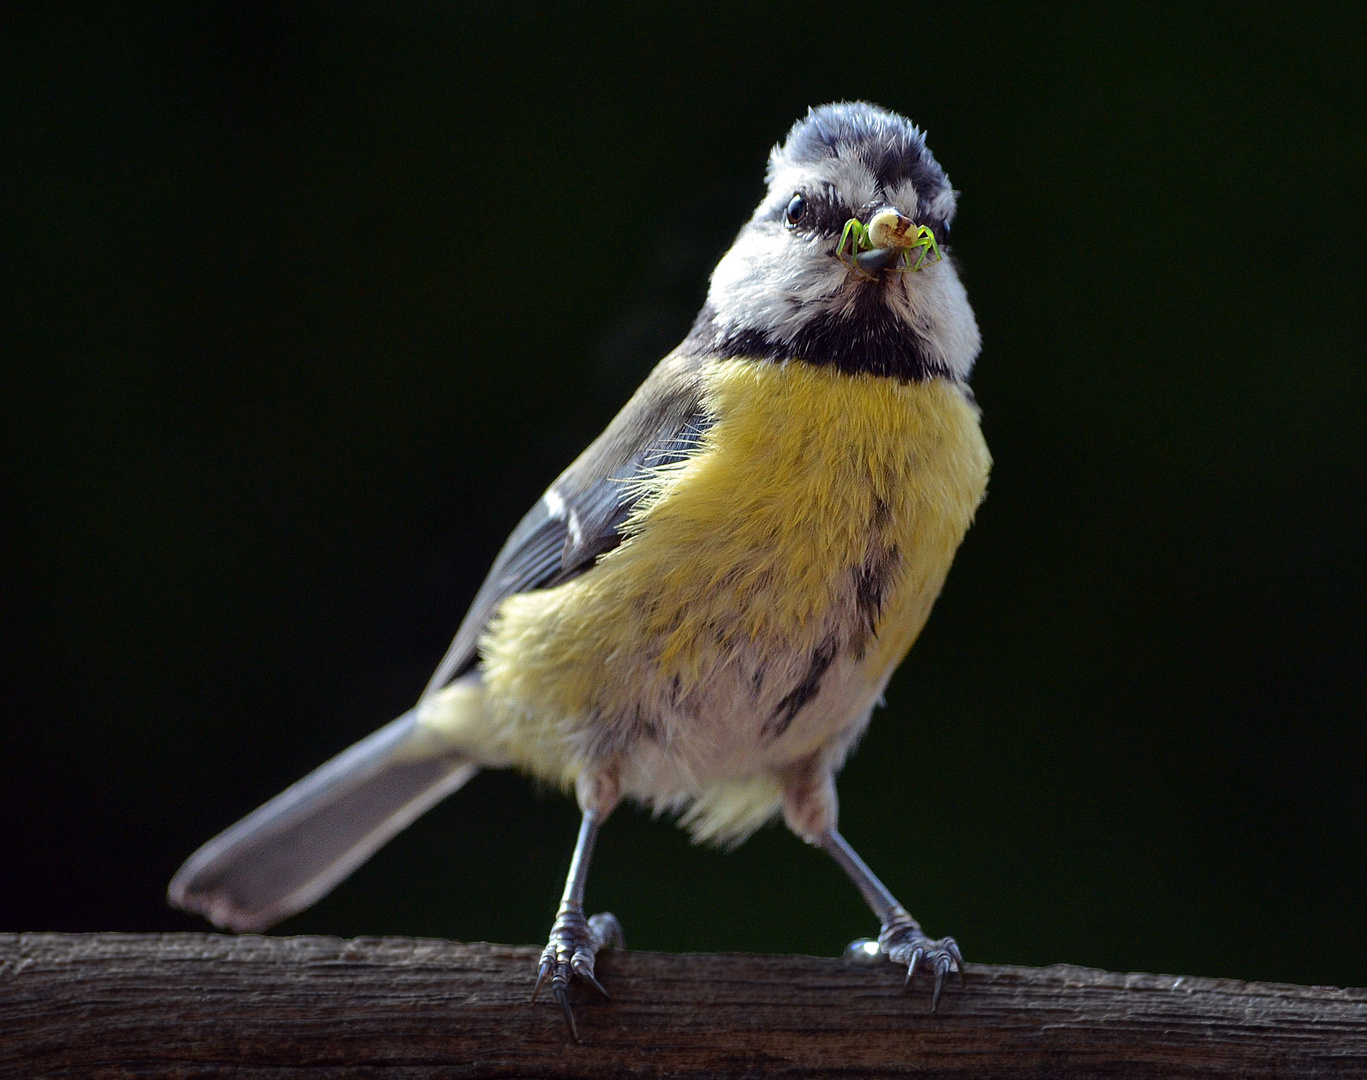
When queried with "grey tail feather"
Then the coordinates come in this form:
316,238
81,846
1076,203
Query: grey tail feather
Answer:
292,851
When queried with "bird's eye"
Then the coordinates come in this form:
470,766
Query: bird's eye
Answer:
797,210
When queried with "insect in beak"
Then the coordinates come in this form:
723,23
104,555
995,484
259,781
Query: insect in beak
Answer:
888,238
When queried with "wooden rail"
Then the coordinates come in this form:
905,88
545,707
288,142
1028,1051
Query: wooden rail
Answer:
205,1005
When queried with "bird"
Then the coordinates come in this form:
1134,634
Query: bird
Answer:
703,610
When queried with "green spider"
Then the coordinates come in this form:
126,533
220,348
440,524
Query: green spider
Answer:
858,234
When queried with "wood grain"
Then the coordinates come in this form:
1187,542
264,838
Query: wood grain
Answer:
206,1005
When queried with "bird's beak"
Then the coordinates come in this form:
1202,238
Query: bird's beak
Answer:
879,259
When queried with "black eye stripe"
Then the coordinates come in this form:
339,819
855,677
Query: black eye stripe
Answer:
824,213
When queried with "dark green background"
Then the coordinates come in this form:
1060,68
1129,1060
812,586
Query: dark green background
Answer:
304,305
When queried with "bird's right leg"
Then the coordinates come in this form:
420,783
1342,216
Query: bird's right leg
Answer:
575,940
900,938
809,808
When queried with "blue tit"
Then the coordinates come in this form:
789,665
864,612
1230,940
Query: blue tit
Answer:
702,611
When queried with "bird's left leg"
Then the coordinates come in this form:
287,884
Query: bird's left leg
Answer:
810,809
575,940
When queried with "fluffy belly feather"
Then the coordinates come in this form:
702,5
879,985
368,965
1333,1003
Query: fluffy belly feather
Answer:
766,589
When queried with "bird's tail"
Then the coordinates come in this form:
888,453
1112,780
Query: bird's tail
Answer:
292,851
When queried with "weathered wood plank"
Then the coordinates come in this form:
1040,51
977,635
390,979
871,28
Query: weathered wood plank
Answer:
204,1005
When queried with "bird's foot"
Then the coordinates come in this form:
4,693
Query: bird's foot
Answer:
574,943
903,942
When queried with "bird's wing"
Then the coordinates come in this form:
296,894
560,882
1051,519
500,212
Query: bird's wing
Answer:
580,516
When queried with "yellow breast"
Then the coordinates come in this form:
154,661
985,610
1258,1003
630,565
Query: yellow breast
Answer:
740,566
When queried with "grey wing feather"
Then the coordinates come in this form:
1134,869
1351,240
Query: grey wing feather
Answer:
580,516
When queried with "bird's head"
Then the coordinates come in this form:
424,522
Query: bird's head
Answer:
844,261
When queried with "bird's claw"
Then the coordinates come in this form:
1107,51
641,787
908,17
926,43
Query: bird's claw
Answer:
574,943
903,942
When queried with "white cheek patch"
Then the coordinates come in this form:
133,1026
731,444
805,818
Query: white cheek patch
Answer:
774,281
936,305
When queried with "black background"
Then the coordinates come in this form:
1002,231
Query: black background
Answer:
304,305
